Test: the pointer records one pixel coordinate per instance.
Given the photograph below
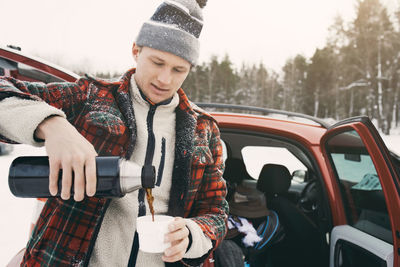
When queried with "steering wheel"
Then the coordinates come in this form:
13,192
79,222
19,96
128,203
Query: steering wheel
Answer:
308,198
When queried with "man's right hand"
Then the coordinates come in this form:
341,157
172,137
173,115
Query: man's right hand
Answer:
70,151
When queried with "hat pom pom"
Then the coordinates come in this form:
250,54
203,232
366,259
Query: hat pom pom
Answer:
202,3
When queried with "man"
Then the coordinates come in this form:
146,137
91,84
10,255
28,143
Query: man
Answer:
144,117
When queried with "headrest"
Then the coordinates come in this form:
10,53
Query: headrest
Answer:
235,170
274,179
247,201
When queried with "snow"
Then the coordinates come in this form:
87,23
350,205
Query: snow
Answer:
17,212
272,155
392,142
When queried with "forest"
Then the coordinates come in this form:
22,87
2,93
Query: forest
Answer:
357,72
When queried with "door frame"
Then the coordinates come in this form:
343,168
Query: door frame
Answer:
390,186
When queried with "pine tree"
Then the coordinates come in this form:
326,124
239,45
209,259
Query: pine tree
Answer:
367,51
294,82
320,90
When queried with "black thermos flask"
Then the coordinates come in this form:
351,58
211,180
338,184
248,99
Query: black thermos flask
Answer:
29,177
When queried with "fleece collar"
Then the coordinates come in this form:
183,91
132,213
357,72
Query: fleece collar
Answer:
142,99
187,115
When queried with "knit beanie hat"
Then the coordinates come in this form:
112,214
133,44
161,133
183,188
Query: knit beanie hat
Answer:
175,28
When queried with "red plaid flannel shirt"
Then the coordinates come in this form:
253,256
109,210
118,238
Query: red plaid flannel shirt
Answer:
66,230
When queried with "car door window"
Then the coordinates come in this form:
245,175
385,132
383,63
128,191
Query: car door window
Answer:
36,74
362,194
255,157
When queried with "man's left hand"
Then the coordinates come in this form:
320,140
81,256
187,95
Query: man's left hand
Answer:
179,237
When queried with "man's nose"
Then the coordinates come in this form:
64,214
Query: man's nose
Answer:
164,77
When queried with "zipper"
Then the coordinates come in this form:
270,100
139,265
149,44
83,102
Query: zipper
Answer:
151,140
151,144
162,163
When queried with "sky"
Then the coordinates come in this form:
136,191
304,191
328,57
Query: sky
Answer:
98,35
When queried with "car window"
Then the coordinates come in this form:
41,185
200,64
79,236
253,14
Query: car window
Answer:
360,185
255,157
224,151
36,74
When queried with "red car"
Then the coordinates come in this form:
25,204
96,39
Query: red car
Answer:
335,188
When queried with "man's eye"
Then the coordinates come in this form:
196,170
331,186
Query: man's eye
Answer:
177,70
157,63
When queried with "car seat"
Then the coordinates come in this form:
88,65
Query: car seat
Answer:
235,172
304,245
228,253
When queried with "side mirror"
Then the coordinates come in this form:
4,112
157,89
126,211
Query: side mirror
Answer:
300,176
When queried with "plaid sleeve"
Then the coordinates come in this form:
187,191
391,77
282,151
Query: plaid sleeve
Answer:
210,207
68,97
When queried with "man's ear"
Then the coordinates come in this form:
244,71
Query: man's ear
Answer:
135,51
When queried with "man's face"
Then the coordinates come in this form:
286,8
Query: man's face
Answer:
159,74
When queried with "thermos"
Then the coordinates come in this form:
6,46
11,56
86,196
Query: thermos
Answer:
29,177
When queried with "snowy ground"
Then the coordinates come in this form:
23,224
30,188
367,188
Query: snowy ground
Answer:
17,213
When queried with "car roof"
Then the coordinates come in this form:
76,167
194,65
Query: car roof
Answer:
41,64
266,111
296,126
302,132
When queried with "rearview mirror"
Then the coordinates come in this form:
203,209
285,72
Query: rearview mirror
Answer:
353,157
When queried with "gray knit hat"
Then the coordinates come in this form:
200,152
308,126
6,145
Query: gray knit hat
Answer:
175,28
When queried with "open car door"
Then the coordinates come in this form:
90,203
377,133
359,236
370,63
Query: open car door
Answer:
368,182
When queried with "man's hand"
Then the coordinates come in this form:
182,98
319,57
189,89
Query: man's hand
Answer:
70,151
179,237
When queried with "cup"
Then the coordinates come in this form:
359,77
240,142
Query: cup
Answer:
151,234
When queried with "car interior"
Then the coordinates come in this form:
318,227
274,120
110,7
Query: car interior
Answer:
295,196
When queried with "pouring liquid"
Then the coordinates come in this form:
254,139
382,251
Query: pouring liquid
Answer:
150,200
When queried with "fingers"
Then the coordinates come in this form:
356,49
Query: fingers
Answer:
178,236
91,181
53,176
76,170
176,251
177,233
66,180
79,180
177,224
69,150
